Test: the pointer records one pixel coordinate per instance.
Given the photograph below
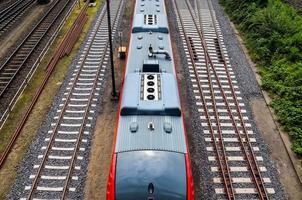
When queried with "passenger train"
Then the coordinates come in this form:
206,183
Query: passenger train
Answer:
150,159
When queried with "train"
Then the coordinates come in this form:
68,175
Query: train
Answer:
150,159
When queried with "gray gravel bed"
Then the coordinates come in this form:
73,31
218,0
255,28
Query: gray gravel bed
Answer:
296,4
25,168
249,90
197,144
13,88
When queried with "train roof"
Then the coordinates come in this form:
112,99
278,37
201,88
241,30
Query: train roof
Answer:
150,15
150,7
166,134
150,117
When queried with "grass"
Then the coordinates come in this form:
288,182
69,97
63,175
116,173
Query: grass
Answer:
272,31
8,173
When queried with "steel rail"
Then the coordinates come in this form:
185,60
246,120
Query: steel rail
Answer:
253,165
27,39
10,7
230,192
70,170
51,66
222,159
250,157
7,18
13,100
55,130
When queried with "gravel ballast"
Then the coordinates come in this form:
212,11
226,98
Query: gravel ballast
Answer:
25,169
249,89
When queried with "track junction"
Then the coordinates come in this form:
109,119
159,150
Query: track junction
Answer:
233,155
57,161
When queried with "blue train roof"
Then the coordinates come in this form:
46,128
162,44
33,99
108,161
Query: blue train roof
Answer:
162,100
147,23
150,108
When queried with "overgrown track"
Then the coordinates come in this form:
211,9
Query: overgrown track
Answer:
235,159
12,12
55,173
22,59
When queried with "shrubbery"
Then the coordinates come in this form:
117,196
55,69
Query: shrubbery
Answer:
273,34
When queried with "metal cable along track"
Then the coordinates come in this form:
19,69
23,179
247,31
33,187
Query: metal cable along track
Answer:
56,172
13,12
233,150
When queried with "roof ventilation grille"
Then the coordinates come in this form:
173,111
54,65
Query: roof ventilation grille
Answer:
150,20
150,87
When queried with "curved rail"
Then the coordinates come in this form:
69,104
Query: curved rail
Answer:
244,141
218,146
245,145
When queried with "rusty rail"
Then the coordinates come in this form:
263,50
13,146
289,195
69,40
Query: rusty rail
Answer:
218,148
60,52
70,38
81,131
248,152
251,158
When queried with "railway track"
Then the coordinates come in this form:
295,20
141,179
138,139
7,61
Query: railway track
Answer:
14,12
56,171
19,65
235,159
64,49
5,4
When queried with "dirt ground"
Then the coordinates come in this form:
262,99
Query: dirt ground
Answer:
288,164
100,157
279,154
13,36
101,151
8,172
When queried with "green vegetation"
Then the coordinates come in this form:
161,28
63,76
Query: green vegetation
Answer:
272,31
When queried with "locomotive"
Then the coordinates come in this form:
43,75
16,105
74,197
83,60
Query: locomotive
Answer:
150,159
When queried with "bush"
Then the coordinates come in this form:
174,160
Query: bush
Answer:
273,34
